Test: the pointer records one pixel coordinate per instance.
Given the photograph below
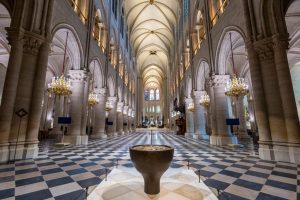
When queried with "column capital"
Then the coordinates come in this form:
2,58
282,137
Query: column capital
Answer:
198,93
14,35
112,99
32,43
280,42
264,48
219,80
188,100
78,75
120,104
100,91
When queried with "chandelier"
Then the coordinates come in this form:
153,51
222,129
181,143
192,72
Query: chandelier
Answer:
191,107
61,85
235,87
124,112
93,99
108,108
204,100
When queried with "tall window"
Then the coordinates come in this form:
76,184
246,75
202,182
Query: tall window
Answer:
146,95
157,94
157,109
151,95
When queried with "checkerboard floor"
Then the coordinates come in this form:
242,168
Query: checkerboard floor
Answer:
64,173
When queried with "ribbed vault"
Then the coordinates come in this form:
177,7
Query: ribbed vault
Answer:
151,28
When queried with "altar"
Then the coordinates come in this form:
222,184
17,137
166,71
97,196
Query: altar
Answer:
127,183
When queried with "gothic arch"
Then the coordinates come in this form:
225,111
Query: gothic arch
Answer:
202,73
96,69
111,86
74,50
223,54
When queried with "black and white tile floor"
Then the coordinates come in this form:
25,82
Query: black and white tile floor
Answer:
64,173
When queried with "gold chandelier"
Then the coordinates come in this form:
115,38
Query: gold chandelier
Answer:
93,99
108,106
191,107
235,87
204,100
61,85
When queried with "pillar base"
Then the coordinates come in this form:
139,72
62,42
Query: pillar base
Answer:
201,137
76,139
120,133
99,136
223,140
243,136
23,151
295,154
280,152
190,135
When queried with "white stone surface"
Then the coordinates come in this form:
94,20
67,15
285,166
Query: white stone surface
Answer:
127,184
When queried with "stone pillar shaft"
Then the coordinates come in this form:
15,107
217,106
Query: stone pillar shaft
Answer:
76,133
189,117
99,109
199,116
120,118
223,135
112,117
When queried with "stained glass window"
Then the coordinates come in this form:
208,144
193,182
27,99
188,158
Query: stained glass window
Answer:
157,94
146,95
151,95
157,109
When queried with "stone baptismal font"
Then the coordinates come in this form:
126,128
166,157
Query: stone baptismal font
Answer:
151,161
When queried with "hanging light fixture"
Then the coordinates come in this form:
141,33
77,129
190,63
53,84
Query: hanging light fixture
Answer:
235,87
93,98
191,107
124,112
108,108
61,85
204,100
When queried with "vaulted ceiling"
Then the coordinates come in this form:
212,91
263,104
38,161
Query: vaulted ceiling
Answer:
151,29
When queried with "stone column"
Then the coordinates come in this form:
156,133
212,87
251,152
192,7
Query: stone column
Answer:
277,148
223,136
99,109
199,116
189,117
34,118
58,112
15,38
125,120
112,117
75,134
29,97
287,97
240,108
120,118
260,104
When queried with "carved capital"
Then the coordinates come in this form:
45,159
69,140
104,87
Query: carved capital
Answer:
14,35
32,44
188,101
100,91
219,80
78,75
112,99
281,43
198,94
264,49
